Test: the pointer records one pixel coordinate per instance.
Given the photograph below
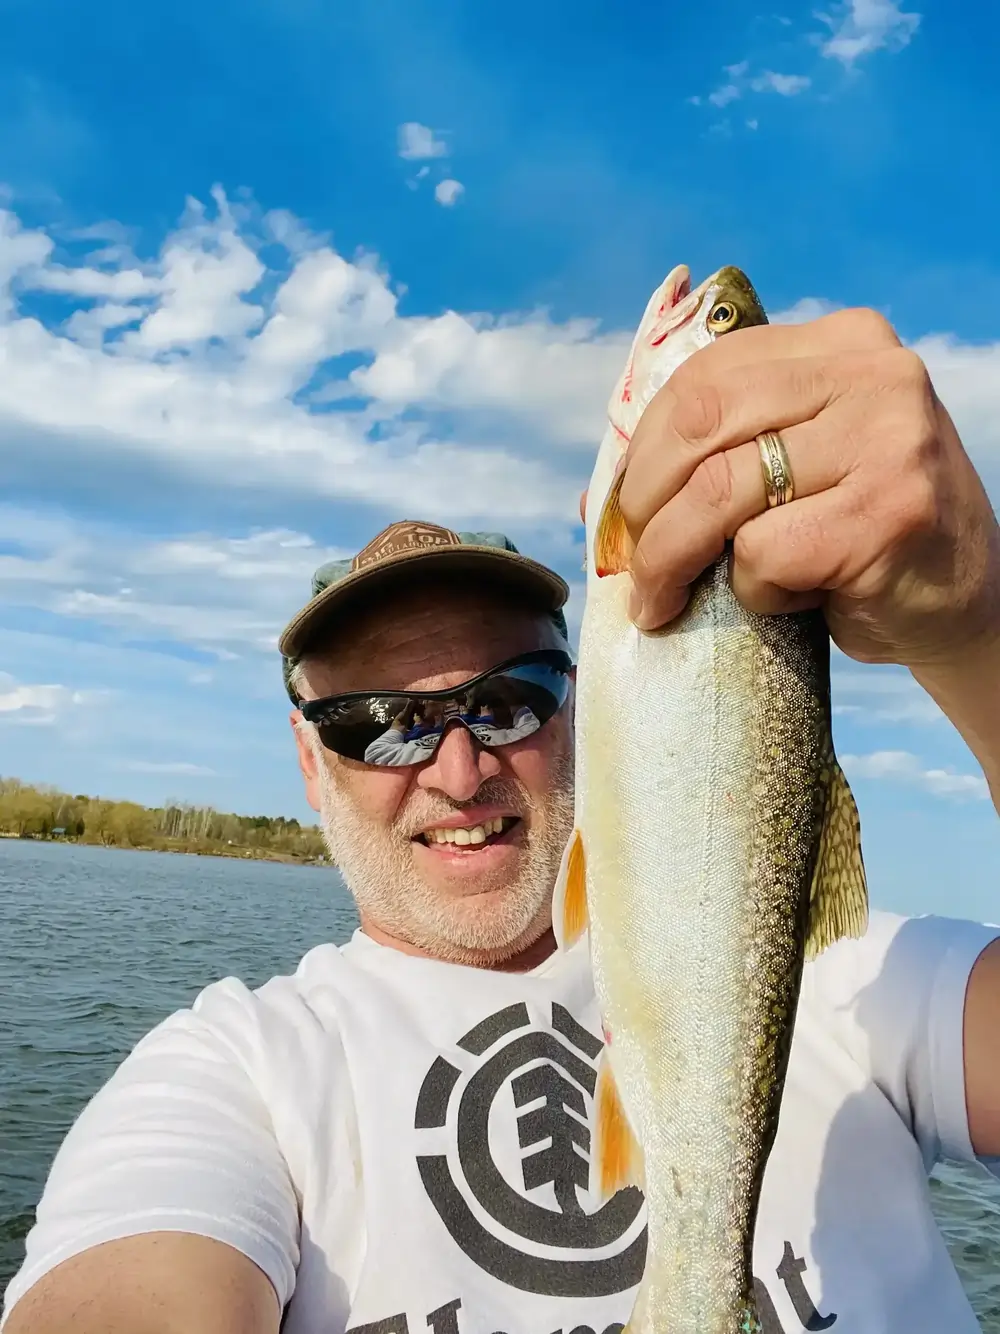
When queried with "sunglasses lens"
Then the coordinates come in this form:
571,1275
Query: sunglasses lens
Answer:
512,705
400,730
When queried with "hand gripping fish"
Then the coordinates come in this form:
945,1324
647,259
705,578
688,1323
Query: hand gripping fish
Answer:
716,848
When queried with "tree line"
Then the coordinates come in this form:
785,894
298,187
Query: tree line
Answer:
45,812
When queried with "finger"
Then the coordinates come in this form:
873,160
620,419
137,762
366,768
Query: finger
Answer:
768,599
853,330
691,418
583,506
803,550
725,491
678,431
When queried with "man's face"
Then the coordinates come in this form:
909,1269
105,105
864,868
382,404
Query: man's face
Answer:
473,903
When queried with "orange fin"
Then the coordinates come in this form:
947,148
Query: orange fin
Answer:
570,917
612,544
616,1159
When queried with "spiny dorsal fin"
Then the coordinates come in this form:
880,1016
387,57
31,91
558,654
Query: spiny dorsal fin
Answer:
616,1159
612,544
570,917
839,898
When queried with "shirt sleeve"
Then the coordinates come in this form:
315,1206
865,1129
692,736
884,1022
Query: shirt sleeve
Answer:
178,1140
896,999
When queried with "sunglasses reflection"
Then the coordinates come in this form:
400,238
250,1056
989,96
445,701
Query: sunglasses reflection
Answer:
495,719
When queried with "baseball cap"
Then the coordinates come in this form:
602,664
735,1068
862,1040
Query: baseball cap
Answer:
401,554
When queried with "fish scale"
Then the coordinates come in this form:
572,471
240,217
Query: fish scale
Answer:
716,846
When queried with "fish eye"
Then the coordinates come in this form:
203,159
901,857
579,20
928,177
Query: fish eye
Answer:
723,316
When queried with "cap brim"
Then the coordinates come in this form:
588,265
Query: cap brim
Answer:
543,589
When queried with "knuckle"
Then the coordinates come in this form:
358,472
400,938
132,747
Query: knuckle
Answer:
865,327
696,414
711,483
917,505
910,373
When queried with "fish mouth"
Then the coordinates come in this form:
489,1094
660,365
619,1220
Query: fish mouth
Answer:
678,306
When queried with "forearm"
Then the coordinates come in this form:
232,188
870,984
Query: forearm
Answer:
968,693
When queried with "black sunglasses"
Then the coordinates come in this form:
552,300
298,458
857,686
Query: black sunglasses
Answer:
398,728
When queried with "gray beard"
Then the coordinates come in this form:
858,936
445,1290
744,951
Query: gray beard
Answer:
378,868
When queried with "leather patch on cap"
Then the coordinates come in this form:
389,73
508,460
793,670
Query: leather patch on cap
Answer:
401,537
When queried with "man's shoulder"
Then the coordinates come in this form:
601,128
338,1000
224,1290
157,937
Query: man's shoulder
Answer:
897,961
245,1020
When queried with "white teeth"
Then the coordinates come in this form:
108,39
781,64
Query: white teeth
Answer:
470,836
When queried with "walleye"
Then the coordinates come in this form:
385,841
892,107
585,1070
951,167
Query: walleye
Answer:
717,846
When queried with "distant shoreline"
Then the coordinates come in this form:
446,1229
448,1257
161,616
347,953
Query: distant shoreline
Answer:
48,815
234,854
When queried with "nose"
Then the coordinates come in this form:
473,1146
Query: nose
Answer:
460,765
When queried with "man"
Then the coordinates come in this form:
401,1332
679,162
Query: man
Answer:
396,1138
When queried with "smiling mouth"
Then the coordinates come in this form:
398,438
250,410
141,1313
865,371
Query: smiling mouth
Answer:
469,837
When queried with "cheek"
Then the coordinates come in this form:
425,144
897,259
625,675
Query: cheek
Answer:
377,794
537,767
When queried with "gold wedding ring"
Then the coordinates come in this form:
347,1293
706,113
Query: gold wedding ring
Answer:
778,482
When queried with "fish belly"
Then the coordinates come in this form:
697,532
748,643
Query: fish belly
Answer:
697,802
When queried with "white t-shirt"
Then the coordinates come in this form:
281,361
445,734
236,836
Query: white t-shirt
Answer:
401,1144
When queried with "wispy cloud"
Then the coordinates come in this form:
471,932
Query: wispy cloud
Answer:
417,142
880,694
739,82
785,85
446,192
865,26
900,766
227,596
167,767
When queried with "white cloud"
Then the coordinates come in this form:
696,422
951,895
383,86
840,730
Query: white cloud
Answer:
203,375
418,141
446,192
900,766
38,704
868,26
556,375
804,310
303,376
786,85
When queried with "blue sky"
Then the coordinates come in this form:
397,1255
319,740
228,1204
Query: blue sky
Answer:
273,275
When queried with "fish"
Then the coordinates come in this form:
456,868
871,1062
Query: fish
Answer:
716,849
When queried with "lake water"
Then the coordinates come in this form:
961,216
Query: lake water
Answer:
100,945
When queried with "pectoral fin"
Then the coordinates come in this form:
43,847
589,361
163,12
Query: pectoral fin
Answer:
570,917
839,900
612,544
616,1159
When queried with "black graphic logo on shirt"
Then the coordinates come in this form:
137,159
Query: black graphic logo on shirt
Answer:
551,1075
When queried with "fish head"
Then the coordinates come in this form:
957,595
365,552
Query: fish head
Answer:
678,321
